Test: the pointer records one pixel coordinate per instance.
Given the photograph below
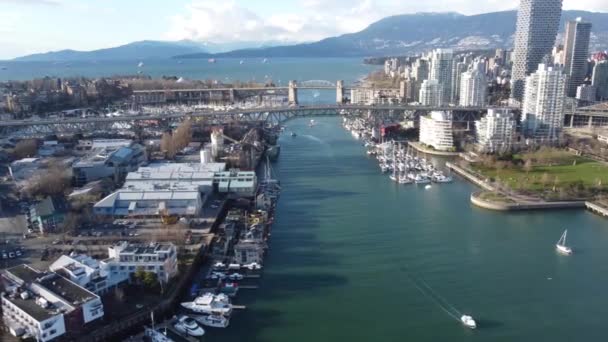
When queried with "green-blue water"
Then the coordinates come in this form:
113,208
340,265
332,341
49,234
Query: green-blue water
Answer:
347,239
280,70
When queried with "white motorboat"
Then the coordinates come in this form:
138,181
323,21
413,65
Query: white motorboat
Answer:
422,180
156,336
214,321
404,180
468,321
561,244
393,178
187,325
428,187
210,303
312,123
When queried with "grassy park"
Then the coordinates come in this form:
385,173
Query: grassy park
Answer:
550,173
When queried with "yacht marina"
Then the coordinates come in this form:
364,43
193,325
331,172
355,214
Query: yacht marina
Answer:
395,158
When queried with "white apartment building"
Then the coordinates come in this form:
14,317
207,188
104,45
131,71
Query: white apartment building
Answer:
124,259
543,107
436,131
473,89
495,131
431,93
87,272
45,305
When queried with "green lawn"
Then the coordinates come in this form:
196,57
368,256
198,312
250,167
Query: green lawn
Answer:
562,172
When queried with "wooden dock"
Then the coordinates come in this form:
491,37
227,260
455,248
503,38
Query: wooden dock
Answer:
248,287
239,307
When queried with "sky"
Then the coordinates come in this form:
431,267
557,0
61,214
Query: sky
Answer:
32,26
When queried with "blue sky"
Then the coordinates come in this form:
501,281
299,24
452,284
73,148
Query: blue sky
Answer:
29,26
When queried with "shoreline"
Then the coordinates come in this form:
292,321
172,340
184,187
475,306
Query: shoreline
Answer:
518,205
418,147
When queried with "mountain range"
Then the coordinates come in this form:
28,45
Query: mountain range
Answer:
400,34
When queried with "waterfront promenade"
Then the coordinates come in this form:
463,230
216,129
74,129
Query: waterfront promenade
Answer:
514,202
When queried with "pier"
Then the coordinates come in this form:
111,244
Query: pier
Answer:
597,209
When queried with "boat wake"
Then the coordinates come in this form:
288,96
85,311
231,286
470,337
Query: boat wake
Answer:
312,137
435,297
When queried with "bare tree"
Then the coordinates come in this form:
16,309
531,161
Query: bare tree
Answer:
545,179
26,148
51,182
528,166
167,146
182,135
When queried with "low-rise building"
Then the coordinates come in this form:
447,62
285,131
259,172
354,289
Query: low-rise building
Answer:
48,214
108,159
87,272
159,258
247,252
45,305
175,189
436,131
495,132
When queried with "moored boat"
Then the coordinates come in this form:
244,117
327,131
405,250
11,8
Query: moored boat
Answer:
214,321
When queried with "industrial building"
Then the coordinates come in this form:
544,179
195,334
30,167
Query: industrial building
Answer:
174,190
107,159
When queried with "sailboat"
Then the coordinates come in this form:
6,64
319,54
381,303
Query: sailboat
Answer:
561,244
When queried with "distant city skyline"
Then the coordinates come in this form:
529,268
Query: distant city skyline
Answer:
33,26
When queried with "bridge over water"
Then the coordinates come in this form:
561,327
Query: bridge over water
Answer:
275,115
231,95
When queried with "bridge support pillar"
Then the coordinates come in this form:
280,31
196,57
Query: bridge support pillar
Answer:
340,92
293,93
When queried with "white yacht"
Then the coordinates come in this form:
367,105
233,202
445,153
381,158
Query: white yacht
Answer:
210,304
561,244
468,321
187,325
214,321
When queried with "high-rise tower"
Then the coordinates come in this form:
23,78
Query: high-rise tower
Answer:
576,51
537,25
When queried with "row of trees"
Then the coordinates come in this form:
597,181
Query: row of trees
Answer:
173,141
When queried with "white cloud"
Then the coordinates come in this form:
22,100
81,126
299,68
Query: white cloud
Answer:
310,20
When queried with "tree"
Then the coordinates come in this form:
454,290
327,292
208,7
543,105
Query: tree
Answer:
528,166
26,148
182,135
150,280
51,182
167,146
140,275
72,222
544,179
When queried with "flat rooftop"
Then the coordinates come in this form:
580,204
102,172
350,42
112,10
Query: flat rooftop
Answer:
32,308
25,273
72,293
147,249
